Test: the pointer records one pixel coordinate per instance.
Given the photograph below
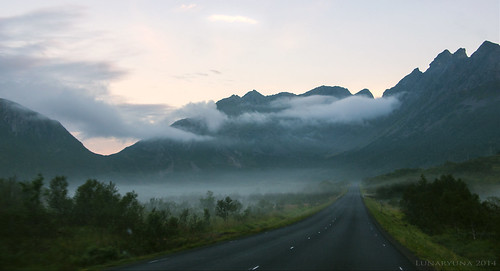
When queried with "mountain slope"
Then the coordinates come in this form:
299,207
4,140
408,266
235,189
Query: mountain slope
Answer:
32,143
249,144
449,112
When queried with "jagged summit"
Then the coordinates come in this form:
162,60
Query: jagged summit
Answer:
445,59
484,63
254,101
460,54
487,49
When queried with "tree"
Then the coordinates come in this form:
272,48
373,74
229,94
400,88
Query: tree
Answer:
442,204
131,212
227,207
97,204
32,192
57,197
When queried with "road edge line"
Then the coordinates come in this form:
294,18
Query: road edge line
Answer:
406,252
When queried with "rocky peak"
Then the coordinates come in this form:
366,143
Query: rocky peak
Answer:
460,54
405,83
365,93
253,97
441,61
336,91
487,49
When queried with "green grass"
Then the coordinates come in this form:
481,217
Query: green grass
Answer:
445,247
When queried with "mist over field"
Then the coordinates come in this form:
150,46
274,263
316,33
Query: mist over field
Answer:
242,183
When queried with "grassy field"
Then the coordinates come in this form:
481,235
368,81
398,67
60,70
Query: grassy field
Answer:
442,250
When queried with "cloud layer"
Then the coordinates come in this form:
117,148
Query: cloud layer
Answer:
39,69
353,109
39,72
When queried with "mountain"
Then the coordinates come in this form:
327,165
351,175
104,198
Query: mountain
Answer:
364,93
246,144
32,143
253,101
450,112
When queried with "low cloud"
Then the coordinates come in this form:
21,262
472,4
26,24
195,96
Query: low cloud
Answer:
74,92
353,109
203,111
318,110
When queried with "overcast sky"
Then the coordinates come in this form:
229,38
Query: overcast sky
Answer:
116,71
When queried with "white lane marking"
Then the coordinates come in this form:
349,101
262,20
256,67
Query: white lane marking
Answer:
383,245
400,268
309,238
291,248
154,261
319,232
254,268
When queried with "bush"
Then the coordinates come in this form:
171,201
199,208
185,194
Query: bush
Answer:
99,255
444,203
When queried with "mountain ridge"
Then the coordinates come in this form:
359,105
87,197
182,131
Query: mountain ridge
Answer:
447,113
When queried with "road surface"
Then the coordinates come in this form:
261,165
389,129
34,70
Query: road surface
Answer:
341,237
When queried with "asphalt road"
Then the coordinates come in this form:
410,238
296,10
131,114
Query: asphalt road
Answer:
341,237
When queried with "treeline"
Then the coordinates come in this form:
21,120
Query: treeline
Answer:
447,203
447,209
96,225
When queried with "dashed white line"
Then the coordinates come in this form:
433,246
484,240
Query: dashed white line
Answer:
154,261
291,248
254,268
400,268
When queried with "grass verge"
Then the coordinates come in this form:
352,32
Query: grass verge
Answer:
429,249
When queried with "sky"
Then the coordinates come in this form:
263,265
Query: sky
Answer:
117,71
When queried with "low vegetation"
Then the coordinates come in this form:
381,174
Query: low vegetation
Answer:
480,175
44,228
442,222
